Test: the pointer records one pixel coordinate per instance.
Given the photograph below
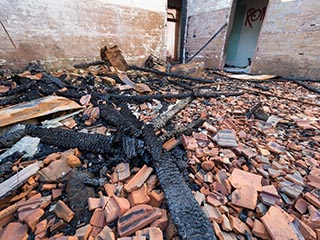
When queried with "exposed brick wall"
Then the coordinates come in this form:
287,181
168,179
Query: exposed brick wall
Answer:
289,43
60,33
204,19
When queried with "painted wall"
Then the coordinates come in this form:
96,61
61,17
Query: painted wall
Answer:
242,44
63,32
204,19
289,43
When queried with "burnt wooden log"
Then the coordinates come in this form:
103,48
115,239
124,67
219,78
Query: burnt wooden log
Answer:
114,117
188,217
308,87
178,132
9,139
162,120
144,98
66,139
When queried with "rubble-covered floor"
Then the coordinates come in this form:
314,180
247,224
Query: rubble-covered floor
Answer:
89,167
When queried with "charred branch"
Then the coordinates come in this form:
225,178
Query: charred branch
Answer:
190,220
66,139
162,120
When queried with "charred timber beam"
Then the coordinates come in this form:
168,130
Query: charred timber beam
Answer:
9,139
177,132
308,87
162,120
114,117
141,99
66,139
188,217
201,80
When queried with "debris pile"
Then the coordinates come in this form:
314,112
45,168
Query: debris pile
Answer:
112,151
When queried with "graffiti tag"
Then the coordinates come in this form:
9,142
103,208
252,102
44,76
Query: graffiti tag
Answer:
254,15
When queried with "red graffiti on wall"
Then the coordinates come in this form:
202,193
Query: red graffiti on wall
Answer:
254,15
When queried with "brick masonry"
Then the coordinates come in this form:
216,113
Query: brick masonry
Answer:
288,44
204,19
60,33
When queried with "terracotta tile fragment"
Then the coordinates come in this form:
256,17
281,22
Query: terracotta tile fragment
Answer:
14,230
277,225
171,230
189,143
212,213
139,179
58,225
209,127
226,225
275,148
238,226
301,205
115,207
94,203
98,218
41,226
207,165
110,189
84,232
151,233
313,197
137,218
170,144
121,172
161,222
33,219
246,197
73,161
55,171
305,230
48,186
240,178
259,230
139,196
106,234
156,198
226,138
216,199
63,211
56,193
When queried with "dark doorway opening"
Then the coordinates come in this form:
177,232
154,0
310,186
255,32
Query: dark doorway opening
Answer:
243,38
176,17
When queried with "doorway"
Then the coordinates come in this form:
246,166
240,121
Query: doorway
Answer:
243,38
176,15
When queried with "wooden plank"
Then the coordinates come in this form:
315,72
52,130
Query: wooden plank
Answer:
18,178
35,108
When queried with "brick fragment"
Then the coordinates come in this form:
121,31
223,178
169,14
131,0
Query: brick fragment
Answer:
313,197
301,205
226,225
33,219
63,211
84,232
94,203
